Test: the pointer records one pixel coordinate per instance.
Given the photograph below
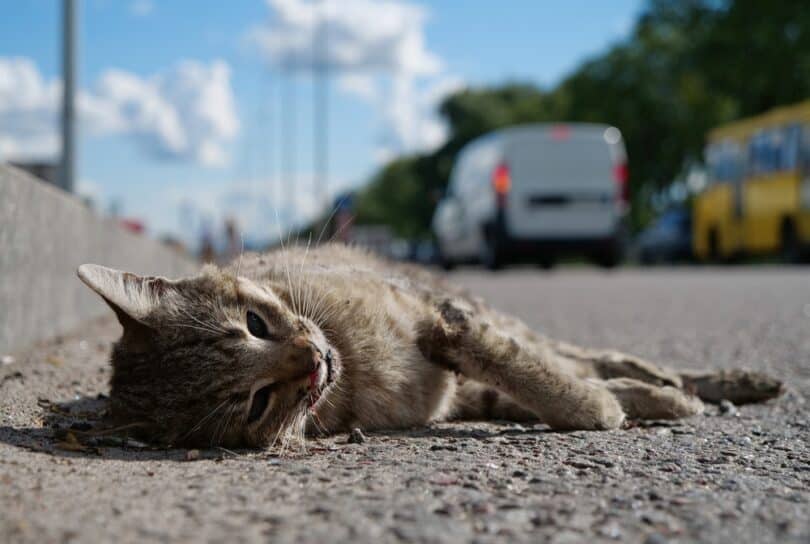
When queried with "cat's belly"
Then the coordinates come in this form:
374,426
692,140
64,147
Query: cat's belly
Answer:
426,397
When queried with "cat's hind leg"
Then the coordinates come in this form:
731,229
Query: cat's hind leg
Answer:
738,386
473,347
607,364
474,401
641,400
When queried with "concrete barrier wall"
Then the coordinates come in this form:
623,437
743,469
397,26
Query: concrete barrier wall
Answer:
44,235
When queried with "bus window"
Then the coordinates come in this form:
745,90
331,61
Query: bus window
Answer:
726,161
773,144
804,154
763,153
754,155
713,163
804,166
790,147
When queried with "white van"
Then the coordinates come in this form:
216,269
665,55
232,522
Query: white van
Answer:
533,193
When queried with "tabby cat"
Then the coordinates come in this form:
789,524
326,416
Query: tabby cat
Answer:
299,342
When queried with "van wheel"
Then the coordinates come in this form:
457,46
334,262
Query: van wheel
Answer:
791,246
490,255
546,263
609,259
443,261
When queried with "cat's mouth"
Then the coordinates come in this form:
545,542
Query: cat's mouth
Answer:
319,381
322,377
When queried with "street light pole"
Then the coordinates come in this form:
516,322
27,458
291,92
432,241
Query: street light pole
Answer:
68,166
321,115
288,149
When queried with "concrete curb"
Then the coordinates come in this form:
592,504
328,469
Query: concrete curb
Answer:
44,235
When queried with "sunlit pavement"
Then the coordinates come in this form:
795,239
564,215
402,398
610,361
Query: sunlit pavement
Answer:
737,476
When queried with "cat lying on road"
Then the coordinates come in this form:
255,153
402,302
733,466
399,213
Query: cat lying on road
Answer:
331,339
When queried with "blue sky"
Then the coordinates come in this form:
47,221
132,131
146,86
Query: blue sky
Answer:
139,59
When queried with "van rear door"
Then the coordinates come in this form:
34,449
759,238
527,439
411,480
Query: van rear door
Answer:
563,181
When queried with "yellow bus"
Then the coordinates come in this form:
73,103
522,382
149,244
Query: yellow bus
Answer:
757,200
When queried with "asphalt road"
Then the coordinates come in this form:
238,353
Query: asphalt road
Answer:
740,476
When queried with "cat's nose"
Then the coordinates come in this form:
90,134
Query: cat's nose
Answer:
310,353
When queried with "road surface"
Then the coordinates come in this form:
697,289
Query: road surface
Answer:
739,476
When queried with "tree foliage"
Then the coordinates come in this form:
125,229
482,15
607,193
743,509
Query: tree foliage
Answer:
687,66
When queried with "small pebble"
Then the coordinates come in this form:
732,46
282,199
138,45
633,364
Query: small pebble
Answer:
728,408
192,455
655,538
356,436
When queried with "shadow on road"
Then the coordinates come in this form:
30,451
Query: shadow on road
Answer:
78,428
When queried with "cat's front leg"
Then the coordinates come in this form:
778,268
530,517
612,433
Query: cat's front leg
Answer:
473,347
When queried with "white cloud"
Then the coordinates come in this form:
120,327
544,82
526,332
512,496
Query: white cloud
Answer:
361,85
378,51
90,190
186,112
362,35
27,110
410,112
141,8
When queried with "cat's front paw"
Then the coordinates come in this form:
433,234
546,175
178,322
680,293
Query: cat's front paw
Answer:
440,336
600,411
455,318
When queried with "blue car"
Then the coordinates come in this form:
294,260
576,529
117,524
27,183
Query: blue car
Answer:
668,239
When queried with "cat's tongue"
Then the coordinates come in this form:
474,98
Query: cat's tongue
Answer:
313,387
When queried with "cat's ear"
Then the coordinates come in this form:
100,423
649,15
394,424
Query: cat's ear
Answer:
132,297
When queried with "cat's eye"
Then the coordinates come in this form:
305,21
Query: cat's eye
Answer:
256,326
258,404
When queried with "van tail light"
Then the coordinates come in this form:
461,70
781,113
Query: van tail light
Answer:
560,133
501,183
622,178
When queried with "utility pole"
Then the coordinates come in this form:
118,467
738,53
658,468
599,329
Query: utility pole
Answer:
321,114
288,150
68,166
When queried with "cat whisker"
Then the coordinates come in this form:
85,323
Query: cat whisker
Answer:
304,260
317,422
214,327
328,221
279,431
241,252
285,439
321,307
188,326
285,256
224,423
338,231
326,312
204,419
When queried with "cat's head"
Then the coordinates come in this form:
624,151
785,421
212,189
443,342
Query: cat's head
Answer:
211,360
